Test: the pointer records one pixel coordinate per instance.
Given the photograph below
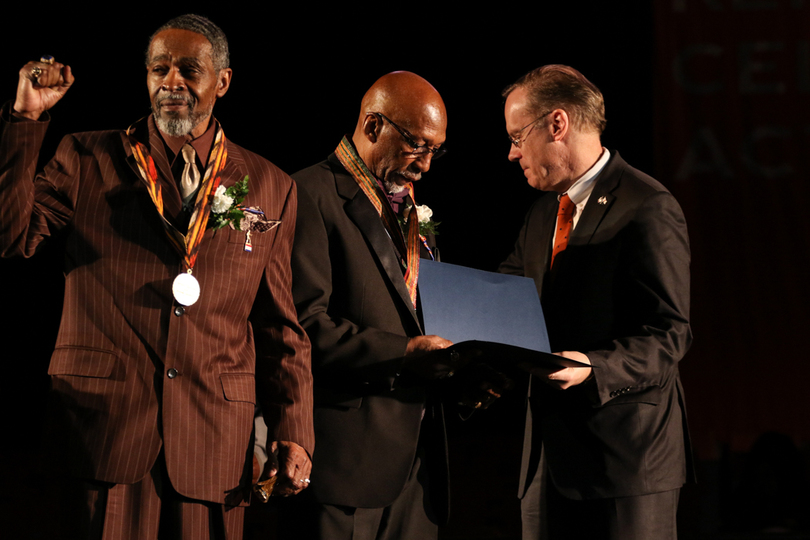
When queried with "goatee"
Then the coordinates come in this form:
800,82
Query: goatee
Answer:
392,187
172,123
174,126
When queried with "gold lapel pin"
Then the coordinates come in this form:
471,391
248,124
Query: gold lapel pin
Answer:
602,200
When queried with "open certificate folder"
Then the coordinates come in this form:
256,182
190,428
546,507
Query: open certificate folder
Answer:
497,317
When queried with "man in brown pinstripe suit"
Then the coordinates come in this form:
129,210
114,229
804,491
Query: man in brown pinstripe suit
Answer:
171,330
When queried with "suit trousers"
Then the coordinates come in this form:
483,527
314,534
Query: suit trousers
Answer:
548,515
405,519
150,510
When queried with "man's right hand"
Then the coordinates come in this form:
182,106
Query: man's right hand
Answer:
420,345
36,93
425,356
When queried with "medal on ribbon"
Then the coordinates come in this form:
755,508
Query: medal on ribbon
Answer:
185,288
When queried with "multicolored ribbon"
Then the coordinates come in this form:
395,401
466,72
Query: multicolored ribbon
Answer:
408,248
422,237
187,245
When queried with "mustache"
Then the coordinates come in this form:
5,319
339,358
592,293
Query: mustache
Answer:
190,100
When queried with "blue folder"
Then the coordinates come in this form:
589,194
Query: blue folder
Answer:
497,314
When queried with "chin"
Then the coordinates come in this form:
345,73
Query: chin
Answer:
534,183
175,126
542,184
394,183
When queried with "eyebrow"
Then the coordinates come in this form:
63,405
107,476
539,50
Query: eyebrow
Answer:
183,60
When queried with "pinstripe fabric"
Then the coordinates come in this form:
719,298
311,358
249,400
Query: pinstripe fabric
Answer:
119,335
147,510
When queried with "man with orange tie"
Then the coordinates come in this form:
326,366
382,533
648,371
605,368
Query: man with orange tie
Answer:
606,448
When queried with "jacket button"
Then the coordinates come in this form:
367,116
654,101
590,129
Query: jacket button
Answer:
172,373
179,311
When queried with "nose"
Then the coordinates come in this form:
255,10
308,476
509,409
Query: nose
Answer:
174,81
514,153
422,162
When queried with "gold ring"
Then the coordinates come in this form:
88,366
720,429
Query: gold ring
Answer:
36,72
46,59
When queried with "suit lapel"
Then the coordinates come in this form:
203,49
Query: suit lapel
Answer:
545,235
599,204
235,169
145,131
600,201
363,214
172,203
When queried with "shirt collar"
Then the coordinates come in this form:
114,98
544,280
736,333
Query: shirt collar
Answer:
581,189
202,144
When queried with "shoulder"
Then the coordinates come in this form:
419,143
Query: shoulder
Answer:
639,197
319,175
323,180
257,164
94,138
624,179
94,145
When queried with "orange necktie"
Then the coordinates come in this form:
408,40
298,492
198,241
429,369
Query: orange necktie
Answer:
565,222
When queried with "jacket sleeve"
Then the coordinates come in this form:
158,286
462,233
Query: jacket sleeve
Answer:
283,362
33,207
653,331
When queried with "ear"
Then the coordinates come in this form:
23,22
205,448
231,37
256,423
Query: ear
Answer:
224,81
559,124
372,127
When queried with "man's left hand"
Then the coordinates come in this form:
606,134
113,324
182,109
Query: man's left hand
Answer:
478,385
565,378
291,463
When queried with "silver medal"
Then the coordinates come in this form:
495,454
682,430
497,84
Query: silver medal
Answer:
186,289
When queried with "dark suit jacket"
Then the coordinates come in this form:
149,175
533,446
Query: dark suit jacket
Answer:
352,301
620,294
121,332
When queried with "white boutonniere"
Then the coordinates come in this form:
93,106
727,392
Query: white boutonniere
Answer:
426,223
226,206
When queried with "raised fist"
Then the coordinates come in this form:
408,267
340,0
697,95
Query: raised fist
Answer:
40,86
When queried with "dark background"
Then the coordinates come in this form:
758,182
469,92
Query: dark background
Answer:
708,96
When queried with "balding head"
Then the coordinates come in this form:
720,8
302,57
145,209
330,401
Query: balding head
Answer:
412,104
406,97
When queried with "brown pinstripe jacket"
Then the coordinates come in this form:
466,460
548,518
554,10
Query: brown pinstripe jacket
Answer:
120,334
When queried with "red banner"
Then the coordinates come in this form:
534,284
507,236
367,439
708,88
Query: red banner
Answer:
732,140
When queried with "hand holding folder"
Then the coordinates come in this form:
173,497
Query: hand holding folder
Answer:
492,318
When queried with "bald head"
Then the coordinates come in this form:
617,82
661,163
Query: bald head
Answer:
405,96
412,104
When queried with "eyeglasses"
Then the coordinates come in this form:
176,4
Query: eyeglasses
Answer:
418,149
518,140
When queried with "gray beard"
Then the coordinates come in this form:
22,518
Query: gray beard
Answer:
392,187
174,127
